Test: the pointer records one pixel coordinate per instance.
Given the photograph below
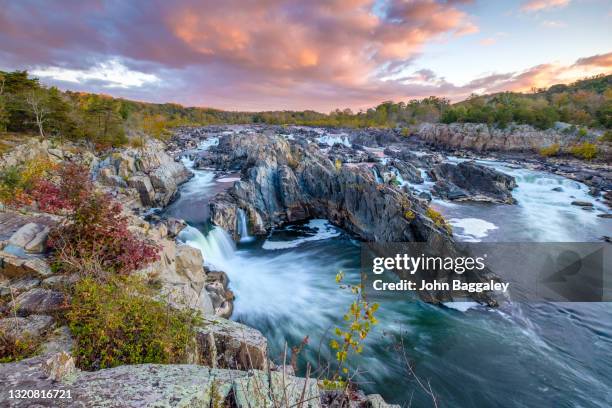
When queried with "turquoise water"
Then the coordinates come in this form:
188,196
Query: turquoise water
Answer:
521,355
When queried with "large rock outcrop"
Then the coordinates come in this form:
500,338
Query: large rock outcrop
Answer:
286,182
483,137
150,171
468,181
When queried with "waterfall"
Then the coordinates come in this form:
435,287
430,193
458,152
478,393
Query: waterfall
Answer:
331,140
243,226
376,175
217,246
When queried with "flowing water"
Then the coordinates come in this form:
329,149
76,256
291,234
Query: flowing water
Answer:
522,355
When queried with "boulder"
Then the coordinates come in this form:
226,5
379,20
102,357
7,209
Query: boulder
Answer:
32,327
32,237
13,266
226,344
58,366
39,301
189,263
468,181
175,226
143,185
16,286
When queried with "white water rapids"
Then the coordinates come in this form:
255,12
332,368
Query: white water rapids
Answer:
555,353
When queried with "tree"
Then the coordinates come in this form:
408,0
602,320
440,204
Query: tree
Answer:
37,102
60,122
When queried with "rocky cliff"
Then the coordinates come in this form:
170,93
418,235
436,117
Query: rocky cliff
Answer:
483,137
287,181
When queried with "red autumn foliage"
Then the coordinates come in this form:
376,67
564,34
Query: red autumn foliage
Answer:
48,196
96,237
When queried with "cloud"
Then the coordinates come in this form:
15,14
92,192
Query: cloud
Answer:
109,74
553,24
538,5
599,60
247,55
488,41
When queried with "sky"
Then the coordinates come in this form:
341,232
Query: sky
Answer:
304,54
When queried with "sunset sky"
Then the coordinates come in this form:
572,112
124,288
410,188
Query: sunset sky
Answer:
304,54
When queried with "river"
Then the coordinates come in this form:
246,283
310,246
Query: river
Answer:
520,355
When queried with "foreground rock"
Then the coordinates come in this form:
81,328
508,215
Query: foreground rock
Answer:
155,385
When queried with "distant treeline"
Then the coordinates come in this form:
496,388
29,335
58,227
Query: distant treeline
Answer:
28,106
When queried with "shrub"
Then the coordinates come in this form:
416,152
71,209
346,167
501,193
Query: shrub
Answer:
98,234
15,349
96,239
349,337
586,150
18,182
606,137
118,322
549,151
582,133
439,220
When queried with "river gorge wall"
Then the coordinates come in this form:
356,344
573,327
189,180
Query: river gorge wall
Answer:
229,364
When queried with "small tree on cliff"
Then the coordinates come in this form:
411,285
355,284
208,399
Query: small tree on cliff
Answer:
37,102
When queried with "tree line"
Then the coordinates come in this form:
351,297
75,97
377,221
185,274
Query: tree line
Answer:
28,106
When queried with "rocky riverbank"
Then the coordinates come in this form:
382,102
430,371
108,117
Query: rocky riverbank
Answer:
229,363
295,174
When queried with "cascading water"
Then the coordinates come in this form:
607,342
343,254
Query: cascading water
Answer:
377,177
285,288
217,246
332,139
243,226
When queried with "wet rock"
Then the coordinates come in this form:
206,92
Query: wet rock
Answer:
557,189
39,301
582,203
449,191
408,171
348,196
473,182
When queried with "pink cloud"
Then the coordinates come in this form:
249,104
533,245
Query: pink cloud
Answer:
247,55
537,5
